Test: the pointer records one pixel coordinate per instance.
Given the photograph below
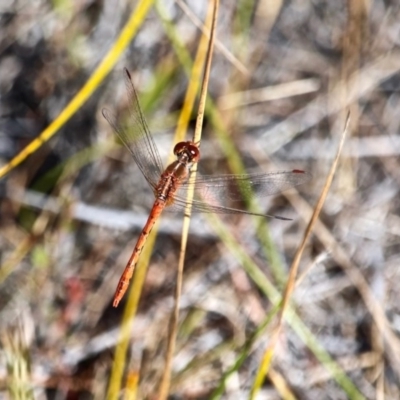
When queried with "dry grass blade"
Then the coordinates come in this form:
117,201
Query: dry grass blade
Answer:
218,45
268,354
14,342
271,93
130,29
207,56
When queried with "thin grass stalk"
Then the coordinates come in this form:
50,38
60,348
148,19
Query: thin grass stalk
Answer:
244,353
165,383
268,354
118,365
270,291
218,45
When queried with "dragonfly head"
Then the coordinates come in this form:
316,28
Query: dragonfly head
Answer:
188,150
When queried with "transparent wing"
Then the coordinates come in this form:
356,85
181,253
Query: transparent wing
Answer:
136,137
214,193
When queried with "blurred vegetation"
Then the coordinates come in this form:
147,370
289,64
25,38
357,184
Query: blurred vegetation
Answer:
283,76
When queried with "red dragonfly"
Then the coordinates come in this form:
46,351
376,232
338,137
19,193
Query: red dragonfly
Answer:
170,185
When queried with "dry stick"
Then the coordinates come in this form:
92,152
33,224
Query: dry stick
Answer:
165,383
263,370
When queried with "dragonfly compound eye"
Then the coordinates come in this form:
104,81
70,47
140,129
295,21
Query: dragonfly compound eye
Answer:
194,152
179,147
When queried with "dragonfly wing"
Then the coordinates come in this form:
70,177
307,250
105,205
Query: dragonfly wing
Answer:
232,188
136,136
199,206
212,193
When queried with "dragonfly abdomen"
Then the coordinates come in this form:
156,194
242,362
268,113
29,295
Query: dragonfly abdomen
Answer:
123,283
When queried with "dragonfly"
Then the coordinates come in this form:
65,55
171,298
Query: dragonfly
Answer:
171,185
